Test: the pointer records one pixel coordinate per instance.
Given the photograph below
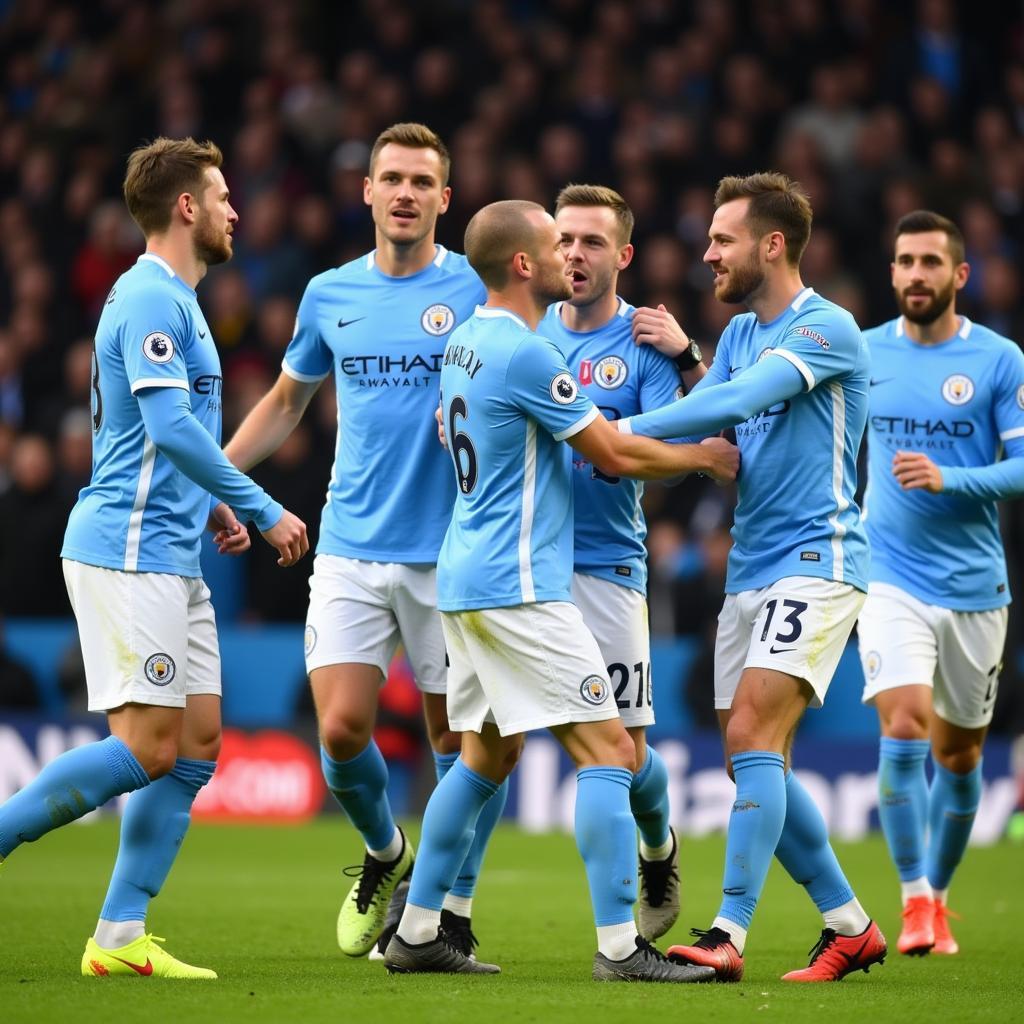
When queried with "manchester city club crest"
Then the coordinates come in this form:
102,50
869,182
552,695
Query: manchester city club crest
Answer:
874,663
958,389
594,690
160,669
310,639
610,372
438,319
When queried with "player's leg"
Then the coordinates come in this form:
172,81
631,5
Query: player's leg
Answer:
898,650
970,650
617,617
415,606
351,636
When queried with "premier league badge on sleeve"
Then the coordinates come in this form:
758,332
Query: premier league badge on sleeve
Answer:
563,389
158,347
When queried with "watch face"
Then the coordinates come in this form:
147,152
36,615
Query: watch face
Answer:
695,352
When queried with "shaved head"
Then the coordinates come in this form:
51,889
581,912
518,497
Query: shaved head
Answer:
496,233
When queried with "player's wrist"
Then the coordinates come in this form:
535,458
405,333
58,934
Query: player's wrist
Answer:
690,357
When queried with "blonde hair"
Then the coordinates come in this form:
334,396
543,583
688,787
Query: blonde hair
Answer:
160,172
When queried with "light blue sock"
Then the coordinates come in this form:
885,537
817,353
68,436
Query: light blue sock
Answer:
903,802
490,815
805,852
152,830
360,786
449,824
71,785
952,805
606,839
755,826
648,799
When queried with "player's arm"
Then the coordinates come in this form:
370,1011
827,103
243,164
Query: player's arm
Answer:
270,421
644,458
181,438
712,408
916,472
660,329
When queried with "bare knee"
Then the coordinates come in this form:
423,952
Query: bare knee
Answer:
623,752
205,746
959,760
344,735
741,734
905,724
156,754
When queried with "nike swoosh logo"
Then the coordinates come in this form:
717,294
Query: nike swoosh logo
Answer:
345,323
734,369
881,380
779,650
852,958
145,969
202,334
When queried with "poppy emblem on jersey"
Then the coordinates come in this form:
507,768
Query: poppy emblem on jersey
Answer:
438,319
563,389
610,372
958,389
160,669
873,662
158,347
594,690
310,640
586,372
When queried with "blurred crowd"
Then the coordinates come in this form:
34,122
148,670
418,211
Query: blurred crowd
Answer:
877,107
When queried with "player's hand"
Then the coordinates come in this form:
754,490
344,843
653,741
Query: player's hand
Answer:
230,536
658,327
916,472
723,463
288,535
440,428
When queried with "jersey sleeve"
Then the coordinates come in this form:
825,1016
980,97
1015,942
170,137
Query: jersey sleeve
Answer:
154,332
659,379
539,383
821,344
1009,400
307,358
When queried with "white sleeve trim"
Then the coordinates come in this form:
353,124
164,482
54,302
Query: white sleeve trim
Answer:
159,382
1008,435
625,426
584,421
303,378
805,370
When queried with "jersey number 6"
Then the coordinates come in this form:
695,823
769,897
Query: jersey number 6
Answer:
462,447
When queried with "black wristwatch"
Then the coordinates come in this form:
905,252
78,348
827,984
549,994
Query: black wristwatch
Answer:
689,357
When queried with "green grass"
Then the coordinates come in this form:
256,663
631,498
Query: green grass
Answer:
259,905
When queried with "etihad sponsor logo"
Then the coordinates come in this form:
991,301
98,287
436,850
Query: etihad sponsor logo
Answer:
208,384
354,366
927,428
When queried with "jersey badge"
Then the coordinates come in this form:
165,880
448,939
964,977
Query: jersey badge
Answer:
874,663
610,372
310,640
438,319
158,347
806,332
1020,396
586,372
160,669
594,690
958,389
563,389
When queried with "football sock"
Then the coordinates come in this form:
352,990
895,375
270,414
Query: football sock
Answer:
449,823
914,887
360,786
419,924
848,919
78,781
152,830
941,896
606,839
755,825
652,853
903,802
115,934
465,883
952,805
461,905
617,941
648,800
805,852
737,933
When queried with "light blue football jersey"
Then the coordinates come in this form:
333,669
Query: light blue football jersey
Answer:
959,402
796,514
390,495
622,379
139,513
508,401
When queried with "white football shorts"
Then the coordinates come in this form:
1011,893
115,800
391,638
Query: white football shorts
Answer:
359,611
904,641
799,625
617,616
530,666
147,637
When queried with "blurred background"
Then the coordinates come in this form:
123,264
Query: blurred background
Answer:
876,107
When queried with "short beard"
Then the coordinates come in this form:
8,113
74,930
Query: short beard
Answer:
940,302
210,247
742,282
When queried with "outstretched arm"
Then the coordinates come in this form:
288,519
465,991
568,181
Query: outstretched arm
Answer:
1005,479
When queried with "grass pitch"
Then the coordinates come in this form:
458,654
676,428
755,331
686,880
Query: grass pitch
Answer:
259,905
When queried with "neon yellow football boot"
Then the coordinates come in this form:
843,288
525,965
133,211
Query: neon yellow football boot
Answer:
364,912
141,958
